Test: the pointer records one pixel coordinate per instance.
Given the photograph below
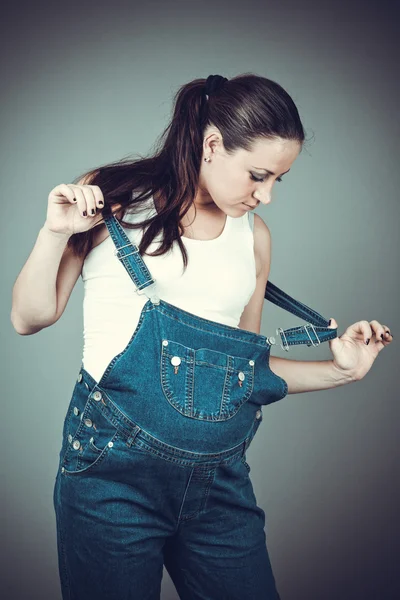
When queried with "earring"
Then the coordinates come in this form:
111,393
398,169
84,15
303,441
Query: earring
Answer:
207,159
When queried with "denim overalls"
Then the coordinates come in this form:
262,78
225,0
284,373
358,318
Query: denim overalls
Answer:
152,468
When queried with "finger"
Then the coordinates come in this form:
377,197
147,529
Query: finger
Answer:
362,329
333,323
98,195
80,200
65,191
90,200
379,330
387,336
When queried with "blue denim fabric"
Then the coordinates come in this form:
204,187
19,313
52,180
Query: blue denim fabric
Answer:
152,466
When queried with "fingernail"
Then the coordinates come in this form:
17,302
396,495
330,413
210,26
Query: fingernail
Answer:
92,211
84,213
330,321
101,203
367,342
382,335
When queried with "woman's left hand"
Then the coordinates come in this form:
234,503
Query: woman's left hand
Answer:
351,354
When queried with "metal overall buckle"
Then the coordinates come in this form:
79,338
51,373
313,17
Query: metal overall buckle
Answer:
154,298
116,252
315,333
285,345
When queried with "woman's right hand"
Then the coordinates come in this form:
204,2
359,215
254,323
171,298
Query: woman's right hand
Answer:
67,205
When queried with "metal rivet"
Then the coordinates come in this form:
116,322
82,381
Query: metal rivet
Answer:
91,439
271,340
76,445
165,343
70,438
88,422
241,376
155,299
175,360
76,410
79,377
258,414
97,395
110,444
62,469
251,362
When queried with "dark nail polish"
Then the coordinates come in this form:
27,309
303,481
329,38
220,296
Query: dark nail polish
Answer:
92,211
101,203
382,335
330,321
84,213
367,342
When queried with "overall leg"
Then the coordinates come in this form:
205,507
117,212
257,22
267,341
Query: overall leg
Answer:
219,551
110,534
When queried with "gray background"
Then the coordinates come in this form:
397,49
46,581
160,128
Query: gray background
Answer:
83,85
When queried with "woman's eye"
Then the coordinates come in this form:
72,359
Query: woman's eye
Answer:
255,178
263,179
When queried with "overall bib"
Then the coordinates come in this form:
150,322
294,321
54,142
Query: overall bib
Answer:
152,467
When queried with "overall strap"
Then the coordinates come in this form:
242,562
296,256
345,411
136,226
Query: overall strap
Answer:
128,254
314,332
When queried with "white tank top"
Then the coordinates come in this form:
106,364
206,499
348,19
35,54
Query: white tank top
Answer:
217,285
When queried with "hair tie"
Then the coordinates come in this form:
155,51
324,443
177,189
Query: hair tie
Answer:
213,84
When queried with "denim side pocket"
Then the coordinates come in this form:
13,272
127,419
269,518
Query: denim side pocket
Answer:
92,441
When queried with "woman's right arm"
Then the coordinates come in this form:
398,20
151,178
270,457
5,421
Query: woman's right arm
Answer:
44,285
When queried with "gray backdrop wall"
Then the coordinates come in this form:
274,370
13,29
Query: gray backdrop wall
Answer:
85,84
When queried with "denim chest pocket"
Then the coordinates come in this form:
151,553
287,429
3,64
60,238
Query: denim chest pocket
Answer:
90,439
205,384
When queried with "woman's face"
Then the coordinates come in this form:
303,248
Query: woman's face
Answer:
230,181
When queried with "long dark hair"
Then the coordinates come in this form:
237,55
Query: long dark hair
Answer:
244,109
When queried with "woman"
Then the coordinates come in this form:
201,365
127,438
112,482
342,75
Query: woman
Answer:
169,395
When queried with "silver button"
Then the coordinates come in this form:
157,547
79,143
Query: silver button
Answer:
76,410
251,362
258,414
91,440
165,343
62,469
110,444
97,395
79,377
175,360
76,445
155,299
241,376
88,422
70,438
271,340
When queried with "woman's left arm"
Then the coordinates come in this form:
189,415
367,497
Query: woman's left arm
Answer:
353,355
308,376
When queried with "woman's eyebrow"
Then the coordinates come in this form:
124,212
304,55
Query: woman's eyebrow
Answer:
270,172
